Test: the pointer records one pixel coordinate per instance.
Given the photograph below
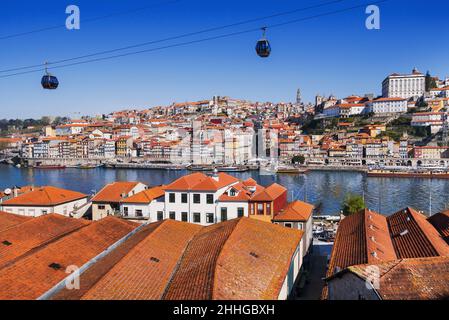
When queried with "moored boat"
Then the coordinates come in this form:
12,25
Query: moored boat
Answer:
408,174
49,167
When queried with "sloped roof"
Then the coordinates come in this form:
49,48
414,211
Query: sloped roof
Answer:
45,196
410,279
237,259
440,222
146,196
34,274
35,233
270,193
200,182
113,192
9,220
295,211
415,237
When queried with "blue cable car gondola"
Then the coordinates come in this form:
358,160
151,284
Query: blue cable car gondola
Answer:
49,81
263,47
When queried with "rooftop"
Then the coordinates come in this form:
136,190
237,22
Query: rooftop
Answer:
45,196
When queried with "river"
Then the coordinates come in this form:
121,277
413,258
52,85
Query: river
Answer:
327,188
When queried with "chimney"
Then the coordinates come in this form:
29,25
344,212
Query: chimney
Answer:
15,192
215,175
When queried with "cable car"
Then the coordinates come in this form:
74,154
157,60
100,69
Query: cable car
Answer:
49,82
263,47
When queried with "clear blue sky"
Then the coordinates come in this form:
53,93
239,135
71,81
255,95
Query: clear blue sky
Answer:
334,54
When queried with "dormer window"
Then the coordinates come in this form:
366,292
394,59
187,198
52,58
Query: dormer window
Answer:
232,193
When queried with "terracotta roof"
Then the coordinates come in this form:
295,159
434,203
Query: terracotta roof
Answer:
145,272
35,233
113,192
9,220
270,193
146,196
201,182
414,237
295,211
440,221
36,273
361,238
254,261
45,196
410,279
194,278
237,259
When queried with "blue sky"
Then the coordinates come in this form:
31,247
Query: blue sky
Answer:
334,54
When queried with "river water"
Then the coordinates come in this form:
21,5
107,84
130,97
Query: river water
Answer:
328,188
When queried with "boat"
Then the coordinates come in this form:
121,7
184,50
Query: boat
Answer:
50,167
89,166
199,168
408,174
291,170
232,169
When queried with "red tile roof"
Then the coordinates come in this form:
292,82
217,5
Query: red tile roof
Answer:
146,196
145,272
440,221
201,182
237,259
295,211
45,196
32,275
414,237
410,279
113,192
270,193
35,233
9,220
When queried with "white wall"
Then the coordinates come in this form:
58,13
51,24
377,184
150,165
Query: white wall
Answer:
35,211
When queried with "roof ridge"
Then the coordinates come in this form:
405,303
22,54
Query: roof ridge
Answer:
178,264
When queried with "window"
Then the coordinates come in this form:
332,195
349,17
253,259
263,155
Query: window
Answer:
260,208
101,207
184,197
171,197
160,216
224,214
232,193
210,218
196,217
172,215
196,198
240,212
139,213
210,199
287,225
44,212
268,208
184,216
125,211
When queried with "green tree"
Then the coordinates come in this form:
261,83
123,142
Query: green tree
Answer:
352,204
298,159
430,82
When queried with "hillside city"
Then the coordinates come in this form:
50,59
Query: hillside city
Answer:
407,126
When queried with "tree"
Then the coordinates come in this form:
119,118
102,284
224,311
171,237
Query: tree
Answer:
430,82
353,203
298,159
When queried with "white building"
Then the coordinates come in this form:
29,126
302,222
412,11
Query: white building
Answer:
434,120
45,200
147,205
389,105
404,86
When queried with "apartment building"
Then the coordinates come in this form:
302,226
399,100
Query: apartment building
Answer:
389,105
404,86
40,201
